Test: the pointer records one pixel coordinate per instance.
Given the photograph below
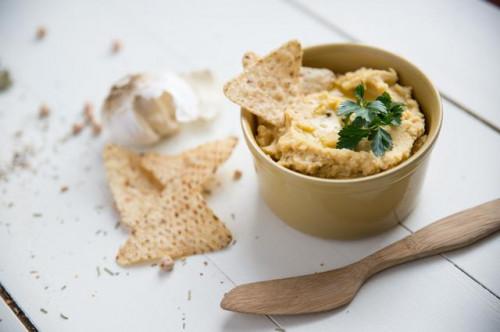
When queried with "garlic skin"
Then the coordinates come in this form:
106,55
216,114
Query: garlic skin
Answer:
208,90
143,108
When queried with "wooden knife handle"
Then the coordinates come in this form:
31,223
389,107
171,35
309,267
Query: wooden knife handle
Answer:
455,231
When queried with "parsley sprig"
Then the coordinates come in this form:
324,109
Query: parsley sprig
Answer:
369,118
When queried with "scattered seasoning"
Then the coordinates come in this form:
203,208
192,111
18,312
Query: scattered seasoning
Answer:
233,216
189,295
116,46
98,269
46,287
117,224
64,189
256,237
205,263
5,80
63,316
322,264
44,311
33,272
279,329
43,112
108,271
37,215
201,274
77,128
234,242
63,287
10,205
221,282
183,325
41,32
237,175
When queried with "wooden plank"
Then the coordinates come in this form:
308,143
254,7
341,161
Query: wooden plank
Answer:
455,42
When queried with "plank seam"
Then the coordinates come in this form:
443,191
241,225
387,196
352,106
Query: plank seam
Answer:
235,284
331,26
21,316
459,268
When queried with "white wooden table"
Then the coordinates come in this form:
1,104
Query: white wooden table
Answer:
52,242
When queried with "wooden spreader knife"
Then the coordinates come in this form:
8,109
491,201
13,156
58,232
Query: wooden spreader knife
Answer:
332,289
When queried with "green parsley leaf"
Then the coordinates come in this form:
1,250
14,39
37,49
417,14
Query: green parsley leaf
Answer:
376,107
381,141
347,108
359,92
352,134
369,118
385,98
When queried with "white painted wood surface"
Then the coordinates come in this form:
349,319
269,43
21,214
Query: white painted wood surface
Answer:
73,65
455,42
8,320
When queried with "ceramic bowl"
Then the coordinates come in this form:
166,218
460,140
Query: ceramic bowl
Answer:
350,208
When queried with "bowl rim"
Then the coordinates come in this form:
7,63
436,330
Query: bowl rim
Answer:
412,160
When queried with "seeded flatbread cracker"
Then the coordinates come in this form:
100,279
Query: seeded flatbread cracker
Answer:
197,164
167,218
130,184
270,85
311,80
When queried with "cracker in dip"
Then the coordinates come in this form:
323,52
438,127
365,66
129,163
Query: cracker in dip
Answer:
300,129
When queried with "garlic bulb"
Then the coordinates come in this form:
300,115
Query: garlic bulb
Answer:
142,108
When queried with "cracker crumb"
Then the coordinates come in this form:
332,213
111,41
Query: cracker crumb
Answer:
116,46
90,119
167,264
77,128
41,32
237,175
64,189
43,112
96,129
88,112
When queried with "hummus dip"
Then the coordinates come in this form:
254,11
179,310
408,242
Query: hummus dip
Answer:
306,142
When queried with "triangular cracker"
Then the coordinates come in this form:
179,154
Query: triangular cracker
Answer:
311,80
270,85
167,217
197,164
